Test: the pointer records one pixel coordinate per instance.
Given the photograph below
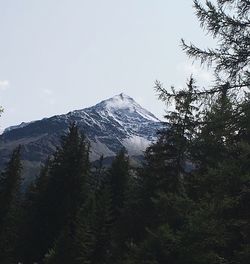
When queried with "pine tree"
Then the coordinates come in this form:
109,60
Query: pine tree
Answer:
85,239
10,206
60,191
227,21
33,238
217,187
94,225
67,190
98,228
222,177
97,175
163,202
121,180
201,216
118,176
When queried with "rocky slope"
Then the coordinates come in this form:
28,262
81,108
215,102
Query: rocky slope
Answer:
110,125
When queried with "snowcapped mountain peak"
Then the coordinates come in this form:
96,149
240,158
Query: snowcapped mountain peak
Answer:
125,104
120,101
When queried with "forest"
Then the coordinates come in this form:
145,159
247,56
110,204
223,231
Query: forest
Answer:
188,203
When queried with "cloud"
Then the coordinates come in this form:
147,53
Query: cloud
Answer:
198,72
4,85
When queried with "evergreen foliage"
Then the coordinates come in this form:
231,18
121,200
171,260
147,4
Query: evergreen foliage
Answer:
118,176
227,21
10,206
35,218
53,202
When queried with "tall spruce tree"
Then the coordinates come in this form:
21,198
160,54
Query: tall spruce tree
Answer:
60,192
66,192
34,238
121,179
94,224
216,226
99,224
118,176
213,230
163,202
10,208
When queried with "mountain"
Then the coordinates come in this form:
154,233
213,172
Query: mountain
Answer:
110,125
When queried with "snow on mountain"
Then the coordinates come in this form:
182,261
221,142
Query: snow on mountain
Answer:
109,125
124,102
133,124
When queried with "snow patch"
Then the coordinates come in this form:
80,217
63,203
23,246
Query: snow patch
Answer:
125,102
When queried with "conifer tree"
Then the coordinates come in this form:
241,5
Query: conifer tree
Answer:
10,206
220,181
227,21
121,180
97,175
215,227
67,190
163,201
60,191
33,238
10,182
97,239
118,176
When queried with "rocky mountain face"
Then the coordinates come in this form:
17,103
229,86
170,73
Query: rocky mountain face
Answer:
110,125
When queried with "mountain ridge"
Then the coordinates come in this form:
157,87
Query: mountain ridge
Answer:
109,125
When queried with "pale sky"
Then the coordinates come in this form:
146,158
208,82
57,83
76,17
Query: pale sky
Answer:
62,55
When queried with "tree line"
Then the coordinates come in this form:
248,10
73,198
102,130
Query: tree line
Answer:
189,202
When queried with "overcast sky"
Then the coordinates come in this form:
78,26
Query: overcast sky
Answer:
61,55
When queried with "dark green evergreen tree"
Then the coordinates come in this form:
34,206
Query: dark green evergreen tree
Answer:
98,239
118,176
33,238
163,201
66,192
212,231
97,175
10,208
56,198
215,228
94,225
122,185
